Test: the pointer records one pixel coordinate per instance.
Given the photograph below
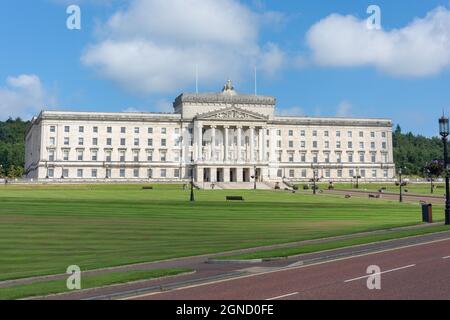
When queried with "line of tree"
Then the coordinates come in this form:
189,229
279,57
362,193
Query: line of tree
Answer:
12,147
413,153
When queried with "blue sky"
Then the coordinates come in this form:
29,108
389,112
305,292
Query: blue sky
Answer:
314,56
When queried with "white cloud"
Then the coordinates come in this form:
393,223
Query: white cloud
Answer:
344,109
422,48
292,111
23,96
153,46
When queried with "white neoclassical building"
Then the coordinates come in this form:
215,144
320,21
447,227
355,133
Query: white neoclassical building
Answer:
221,137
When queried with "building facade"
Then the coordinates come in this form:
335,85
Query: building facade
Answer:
216,137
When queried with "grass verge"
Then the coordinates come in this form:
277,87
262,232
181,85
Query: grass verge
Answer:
87,282
311,248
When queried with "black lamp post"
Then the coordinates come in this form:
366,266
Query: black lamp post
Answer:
192,182
401,184
444,132
315,179
255,176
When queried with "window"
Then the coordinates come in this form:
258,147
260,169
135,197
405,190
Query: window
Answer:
291,173
108,141
361,145
52,129
350,134
338,157
80,129
384,157
94,155
372,145
314,133
65,173
385,173
150,142
383,145
372,134
338,144
150,156
279,156
303,157
302,144
177,130
50,172
361,134
94,141
136,142
350,157
136,155
302,133
122,156
122,141
163,155
176,156
176,173
315,144
279,133
383,134
123,130
109,129
108,155
327,144
291,133
373,157
291,144
327,173
52,141
51,155
363,173
163,130
122,173
304,173
66,129
350,145
79,173
339,173
326,133
80,141
374,173
315,160
280,173
94,173
66,155
279,144
351,173
291,157
150,130
150,173
163,173
327,157
136,173
163,142
108,173
361,157
95,129
80,155
338,133
136,130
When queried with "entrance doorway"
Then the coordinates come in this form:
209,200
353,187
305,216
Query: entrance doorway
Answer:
206,175
219,175
233,175
246,175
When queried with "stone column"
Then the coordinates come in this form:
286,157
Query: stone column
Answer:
213,144
252,144
200,142
261,144
273,145
226,146
239,143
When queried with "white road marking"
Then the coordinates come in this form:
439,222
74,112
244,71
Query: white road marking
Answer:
283,296
448,257
374,274
284,269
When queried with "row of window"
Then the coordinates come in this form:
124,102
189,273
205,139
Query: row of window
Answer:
109,142
326,144
120,173
327,157
328,173
338,133
81,129
80,155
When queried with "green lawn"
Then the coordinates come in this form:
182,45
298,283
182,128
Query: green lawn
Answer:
87,282
44,229
413,188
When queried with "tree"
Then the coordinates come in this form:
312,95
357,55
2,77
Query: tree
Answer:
434,169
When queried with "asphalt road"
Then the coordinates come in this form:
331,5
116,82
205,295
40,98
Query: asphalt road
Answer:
420,271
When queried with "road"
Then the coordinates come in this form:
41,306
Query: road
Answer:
419,271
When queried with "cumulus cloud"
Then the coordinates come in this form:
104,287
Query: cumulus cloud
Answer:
23,96
421,48
344,109
292,111
153,46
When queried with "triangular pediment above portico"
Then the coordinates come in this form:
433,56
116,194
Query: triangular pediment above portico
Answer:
232,113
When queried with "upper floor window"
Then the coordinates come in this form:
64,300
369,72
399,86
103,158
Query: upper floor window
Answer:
136,130
52,129
108,129
291,133
163,130
52,141
123,130
95,129
66,129
81,129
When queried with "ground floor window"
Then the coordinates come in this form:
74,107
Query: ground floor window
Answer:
65,173
136,173
94,173
50,172
80,173
163,173
176,173
122,173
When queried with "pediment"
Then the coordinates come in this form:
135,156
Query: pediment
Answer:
232,113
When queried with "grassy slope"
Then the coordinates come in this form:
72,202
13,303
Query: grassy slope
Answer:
87,282
310,248
47,228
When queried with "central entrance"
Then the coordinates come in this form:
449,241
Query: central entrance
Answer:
246,175
233,175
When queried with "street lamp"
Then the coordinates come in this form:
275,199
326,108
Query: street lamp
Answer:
315,178
401,184
254,177
192,181
444,132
